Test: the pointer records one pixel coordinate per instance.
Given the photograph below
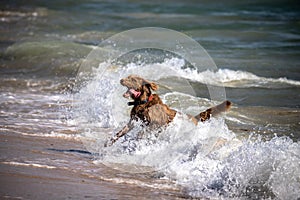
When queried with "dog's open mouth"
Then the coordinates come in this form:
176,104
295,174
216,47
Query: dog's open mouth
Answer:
132,93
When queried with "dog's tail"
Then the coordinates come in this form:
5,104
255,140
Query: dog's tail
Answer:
213,111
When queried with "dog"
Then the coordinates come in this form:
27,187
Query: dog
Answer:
151,111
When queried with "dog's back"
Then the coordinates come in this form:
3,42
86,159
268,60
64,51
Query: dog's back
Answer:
153,113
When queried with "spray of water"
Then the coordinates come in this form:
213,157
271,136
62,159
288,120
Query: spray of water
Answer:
207,159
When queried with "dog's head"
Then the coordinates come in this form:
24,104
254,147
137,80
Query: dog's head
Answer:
137,87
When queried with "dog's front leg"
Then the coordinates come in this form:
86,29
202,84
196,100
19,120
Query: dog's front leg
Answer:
121,133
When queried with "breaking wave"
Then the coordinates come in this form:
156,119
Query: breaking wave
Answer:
208,160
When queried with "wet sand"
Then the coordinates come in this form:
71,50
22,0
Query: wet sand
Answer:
24,176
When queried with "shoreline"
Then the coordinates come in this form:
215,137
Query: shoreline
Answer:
22,179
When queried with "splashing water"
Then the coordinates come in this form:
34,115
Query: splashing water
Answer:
255,169
208,160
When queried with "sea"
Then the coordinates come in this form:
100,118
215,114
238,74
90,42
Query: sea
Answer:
61,100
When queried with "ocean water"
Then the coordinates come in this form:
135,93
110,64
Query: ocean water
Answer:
57,111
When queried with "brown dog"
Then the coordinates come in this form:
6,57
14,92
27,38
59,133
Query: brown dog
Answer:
149,108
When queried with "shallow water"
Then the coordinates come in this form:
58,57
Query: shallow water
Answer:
54,125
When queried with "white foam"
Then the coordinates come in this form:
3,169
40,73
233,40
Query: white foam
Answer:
50,135
192,155
177,142
221,77
28,164
232,78
273,165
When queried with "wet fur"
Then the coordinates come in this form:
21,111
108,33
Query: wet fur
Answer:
154,113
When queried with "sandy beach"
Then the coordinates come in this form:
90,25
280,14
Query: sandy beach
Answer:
22,178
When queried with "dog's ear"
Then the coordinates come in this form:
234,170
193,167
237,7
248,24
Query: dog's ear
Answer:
153,86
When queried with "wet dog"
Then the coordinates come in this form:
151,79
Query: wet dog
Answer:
151,111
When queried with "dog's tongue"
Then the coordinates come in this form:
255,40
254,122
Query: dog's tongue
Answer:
136,94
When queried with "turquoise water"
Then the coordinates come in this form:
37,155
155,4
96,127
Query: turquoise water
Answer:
255,45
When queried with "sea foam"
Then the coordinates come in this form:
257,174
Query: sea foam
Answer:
208,160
